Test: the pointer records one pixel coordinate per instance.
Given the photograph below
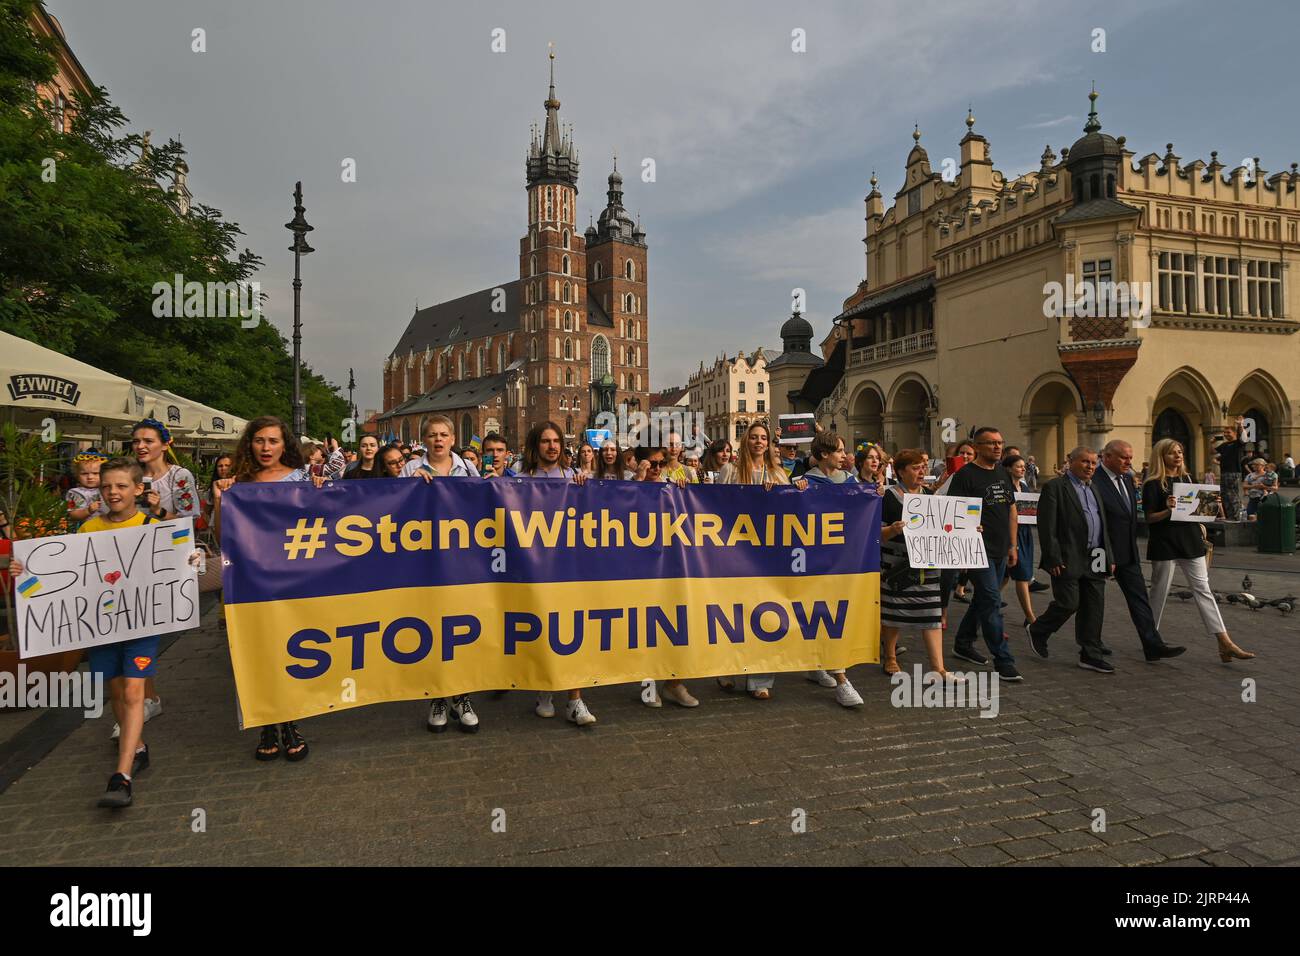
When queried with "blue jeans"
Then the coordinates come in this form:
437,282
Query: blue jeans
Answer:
985,612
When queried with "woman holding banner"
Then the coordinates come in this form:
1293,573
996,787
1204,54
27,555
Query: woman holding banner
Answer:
1180,543
656,462
268,451
757,463
909,598
826,461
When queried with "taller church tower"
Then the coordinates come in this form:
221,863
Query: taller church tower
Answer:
552,272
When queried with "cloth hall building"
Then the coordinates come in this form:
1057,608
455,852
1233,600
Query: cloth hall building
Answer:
1192,318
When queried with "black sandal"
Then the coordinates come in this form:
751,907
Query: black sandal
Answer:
268,748
295,744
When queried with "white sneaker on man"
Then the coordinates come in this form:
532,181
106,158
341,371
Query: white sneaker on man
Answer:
847,696
545,706
822,678
152,708
578,713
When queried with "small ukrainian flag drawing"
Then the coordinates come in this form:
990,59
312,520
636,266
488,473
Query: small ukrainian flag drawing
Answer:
108,605
972,511
180,537
30,586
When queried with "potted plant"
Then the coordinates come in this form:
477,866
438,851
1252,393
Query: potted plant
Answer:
33,510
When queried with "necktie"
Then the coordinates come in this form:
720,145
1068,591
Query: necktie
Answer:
1119,484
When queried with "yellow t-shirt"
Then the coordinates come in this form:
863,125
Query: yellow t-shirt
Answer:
101,523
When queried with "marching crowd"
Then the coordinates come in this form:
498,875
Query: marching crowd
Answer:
1087,520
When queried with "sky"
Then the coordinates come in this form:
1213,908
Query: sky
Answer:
761,153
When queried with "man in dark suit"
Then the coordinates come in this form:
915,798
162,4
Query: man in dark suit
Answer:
1077,554
1118,495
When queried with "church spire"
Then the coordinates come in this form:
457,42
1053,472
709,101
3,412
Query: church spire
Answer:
1094,124
552,156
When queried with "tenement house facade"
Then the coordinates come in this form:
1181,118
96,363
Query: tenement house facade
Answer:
732,393
1098,297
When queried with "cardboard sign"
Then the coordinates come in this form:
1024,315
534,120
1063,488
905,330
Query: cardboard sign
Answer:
1198,503
82,590
1027,507
941,531
797,429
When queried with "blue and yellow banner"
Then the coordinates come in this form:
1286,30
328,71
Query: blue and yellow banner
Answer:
368,591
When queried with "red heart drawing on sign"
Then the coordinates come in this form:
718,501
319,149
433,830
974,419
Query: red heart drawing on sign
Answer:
947,527
113,577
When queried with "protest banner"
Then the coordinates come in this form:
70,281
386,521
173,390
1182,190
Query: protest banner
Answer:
1027,507
798,429
941,531
81,590
361,592
1198,503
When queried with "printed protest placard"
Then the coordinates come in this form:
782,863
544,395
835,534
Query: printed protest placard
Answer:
1027,507
941,531
1196,503
80,590
797,429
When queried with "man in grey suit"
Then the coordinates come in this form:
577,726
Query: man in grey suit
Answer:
1077,553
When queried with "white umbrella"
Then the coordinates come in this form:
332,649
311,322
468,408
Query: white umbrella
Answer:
41,384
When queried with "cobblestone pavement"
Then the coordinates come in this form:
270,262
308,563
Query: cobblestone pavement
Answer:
1185,770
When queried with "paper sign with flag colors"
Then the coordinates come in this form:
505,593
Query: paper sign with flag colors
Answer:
83,590
942,531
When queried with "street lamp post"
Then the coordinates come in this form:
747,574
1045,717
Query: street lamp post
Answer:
352,408
299,227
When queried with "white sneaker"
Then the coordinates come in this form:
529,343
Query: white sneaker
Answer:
152,708
578,713
822,678
545,706
438,715
463,711
847,696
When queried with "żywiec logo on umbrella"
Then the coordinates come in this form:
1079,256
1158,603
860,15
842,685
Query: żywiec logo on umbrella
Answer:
48,387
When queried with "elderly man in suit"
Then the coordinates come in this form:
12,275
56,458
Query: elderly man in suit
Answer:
1114,481
1077,554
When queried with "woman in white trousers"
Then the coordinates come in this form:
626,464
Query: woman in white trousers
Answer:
1180,543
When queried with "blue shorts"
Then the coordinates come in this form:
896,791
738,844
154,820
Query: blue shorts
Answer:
134,658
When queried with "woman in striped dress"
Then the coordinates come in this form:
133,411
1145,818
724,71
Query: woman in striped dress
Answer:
904,604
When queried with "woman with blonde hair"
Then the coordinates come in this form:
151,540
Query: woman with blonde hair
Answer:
756,463
1180,543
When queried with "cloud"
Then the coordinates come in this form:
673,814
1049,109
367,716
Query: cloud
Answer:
1048,124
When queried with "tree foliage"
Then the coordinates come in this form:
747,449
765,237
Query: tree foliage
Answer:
79,255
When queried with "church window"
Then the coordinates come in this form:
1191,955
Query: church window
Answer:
568,348
598,270
568,321
564,265
599,358
629,270
548,203
532,265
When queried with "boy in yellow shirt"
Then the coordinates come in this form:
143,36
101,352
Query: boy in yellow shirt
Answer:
126,664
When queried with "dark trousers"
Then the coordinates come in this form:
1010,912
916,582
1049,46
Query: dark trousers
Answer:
985,612
1134,587
1086,597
